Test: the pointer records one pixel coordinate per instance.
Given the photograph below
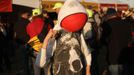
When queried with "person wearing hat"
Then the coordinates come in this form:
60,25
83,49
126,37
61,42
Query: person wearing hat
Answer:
39,25
33,29
70,46
35,26
57,7
37,29
50,34
57,27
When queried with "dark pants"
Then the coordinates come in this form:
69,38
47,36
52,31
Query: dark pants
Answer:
128,69
22,60
1,59
94,64
102,60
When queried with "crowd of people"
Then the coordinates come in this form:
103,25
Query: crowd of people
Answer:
90,43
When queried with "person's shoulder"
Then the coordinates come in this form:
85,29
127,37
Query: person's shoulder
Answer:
37,19
57,27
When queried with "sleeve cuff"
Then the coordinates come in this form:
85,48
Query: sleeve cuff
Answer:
88,59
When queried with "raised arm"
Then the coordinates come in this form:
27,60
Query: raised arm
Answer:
87,53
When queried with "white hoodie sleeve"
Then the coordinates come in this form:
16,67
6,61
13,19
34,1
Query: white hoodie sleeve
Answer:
44,55
86,51
57,27
41,58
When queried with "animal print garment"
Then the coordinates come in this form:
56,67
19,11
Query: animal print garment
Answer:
67,56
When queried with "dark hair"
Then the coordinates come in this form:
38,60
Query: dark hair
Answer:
44,11
111,11
25,11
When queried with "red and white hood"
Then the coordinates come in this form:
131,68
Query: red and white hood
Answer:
72,15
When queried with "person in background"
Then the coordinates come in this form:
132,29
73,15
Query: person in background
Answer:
53,31
2,45
6,38
92,37
48,19
20,27
37,29
127,54
56,8
21,38
115,37
33,29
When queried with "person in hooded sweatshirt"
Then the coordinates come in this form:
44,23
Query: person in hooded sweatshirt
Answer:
70,55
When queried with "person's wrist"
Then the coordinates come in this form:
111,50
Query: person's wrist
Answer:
88,67
44,48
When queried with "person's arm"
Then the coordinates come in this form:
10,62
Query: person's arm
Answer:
50,34
87,54
43,58
88,70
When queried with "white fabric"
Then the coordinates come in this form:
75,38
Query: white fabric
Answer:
29,3
45,54
70,7
86,51
3,31
41,58
74,56
57,27
87,30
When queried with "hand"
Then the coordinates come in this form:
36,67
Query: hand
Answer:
88,70
47,38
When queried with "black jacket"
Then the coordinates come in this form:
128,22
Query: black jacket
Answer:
116,35
20,30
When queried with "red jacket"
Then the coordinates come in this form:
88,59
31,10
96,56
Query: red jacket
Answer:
35,27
